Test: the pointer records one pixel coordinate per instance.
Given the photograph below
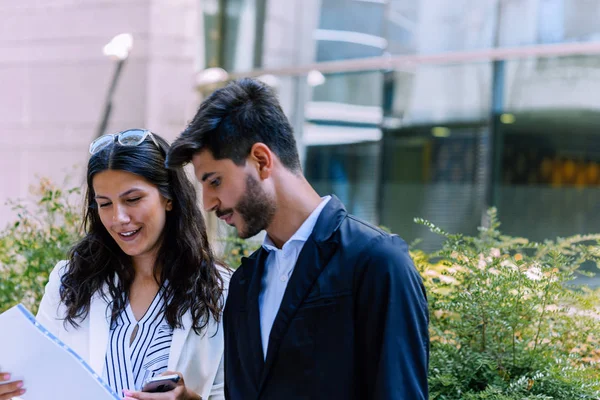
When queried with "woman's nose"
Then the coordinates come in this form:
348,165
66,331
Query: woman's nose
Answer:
120,215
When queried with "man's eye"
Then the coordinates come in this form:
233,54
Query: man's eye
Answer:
215,182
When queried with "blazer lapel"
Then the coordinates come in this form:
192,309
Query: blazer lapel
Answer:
313,258
177,343
99,330
255,266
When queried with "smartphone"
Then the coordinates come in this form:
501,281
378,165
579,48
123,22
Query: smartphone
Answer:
160,384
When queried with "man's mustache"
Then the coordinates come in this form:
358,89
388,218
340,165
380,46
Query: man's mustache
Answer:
220,213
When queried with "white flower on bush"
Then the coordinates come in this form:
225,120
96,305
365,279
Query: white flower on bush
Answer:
552,308
534,273
448,279
482,262
432,273
508,264
495,253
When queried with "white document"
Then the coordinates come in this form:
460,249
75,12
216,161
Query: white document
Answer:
49,369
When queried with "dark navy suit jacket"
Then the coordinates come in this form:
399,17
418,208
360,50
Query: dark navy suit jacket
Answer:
352,323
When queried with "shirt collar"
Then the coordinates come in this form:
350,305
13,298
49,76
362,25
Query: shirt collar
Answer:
305,229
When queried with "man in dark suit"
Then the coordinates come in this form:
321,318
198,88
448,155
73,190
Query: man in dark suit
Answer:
330,307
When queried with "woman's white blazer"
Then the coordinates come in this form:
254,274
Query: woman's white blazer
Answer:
199,358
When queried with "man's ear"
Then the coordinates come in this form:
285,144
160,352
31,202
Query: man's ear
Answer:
263,158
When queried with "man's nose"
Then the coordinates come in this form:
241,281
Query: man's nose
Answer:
209,202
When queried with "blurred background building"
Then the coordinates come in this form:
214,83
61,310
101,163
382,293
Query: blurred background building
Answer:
402,108
433,108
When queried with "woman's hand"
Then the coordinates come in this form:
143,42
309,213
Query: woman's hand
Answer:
179,393
9,390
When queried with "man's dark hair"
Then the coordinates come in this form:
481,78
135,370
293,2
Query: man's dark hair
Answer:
231,120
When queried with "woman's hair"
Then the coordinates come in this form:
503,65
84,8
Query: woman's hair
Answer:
184,257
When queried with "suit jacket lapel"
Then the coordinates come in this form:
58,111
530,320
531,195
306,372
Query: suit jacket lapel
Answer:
99,330
313,258
178,341
253,268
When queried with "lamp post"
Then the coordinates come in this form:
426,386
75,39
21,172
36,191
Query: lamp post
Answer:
117,49
209,79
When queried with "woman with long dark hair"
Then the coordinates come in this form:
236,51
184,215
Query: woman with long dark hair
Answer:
141,294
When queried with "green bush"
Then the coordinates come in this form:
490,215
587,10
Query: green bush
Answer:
505,324
236,248
30,247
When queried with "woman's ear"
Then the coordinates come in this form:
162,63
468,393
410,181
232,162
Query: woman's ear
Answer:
263,158
169,205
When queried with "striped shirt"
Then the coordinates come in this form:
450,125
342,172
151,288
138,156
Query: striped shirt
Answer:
128,364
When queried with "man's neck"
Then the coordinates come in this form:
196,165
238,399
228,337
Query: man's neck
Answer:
296,200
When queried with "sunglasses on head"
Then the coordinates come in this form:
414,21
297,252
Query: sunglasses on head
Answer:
130,137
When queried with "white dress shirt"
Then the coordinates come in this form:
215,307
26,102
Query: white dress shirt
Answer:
279,266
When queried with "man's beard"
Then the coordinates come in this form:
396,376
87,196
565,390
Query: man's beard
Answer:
256,208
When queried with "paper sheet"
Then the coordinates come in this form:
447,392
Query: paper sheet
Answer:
49,369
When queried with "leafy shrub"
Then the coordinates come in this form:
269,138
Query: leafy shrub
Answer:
504,322
236,248
30,247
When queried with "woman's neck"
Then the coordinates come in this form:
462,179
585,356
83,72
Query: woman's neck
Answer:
144,268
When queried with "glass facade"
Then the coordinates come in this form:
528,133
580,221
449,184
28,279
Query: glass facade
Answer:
548,151
445,141
233,33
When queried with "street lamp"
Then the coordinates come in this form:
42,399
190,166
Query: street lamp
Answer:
209,79
211,76
315,78
269,79
117,49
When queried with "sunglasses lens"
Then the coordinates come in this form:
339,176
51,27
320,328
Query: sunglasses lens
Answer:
101,143
132,137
